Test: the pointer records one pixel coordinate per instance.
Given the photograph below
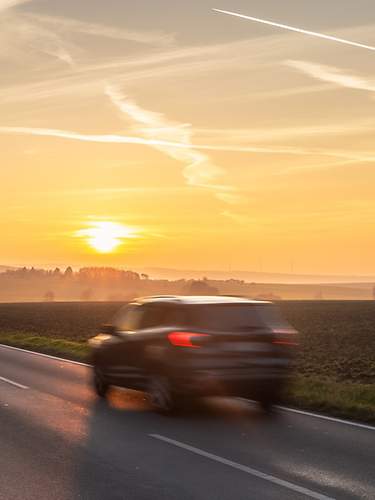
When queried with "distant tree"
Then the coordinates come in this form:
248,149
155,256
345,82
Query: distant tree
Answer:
49,296
57,272
197,287
68,273
145,276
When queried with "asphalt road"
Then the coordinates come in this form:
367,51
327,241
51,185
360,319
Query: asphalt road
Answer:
58,441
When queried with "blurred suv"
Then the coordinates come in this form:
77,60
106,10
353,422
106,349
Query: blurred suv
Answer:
180,347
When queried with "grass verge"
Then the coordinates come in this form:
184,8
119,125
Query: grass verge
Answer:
76,351
345,400
340,399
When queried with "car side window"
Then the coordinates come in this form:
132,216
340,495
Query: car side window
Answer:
177,316
154,315
128,318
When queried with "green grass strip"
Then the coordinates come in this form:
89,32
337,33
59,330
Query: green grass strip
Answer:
340,399
76,351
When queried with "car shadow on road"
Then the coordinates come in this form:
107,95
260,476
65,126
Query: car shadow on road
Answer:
119,442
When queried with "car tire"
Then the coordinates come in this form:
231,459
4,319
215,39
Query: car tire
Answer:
161,395
266,405
100,384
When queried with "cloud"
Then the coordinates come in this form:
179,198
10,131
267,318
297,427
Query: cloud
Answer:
190,152
151,65
272,134
236,217
8,4
297,30
60,53
156,64
332,75
68,25
199,170
99,138
24,40
231,198
24,35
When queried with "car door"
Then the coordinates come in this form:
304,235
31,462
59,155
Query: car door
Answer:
124,370
149,336
140,327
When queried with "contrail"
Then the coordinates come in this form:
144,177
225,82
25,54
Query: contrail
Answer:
123,139
297,30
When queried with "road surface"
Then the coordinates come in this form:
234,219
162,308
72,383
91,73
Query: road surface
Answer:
58,441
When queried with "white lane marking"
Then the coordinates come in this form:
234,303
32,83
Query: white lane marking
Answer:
11,382
44,355
244,468
283,408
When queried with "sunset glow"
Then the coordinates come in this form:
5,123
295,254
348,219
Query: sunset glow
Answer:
237,140
106,237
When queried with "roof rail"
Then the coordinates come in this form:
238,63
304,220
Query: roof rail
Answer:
234,295
162,296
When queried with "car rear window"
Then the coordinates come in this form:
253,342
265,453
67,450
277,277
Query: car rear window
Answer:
234,317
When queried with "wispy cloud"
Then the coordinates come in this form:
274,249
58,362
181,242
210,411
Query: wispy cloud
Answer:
190,152
271,134
23,39
199,170
237,217
25,34
118,191
159,64
61,53
67,25
297,30
99,138
231,198
333,75
8,4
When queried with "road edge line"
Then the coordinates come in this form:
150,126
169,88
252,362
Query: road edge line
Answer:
326,417
35,353
316,415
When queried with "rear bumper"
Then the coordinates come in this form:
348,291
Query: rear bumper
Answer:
215,383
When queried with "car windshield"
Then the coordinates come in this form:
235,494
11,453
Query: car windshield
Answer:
235,317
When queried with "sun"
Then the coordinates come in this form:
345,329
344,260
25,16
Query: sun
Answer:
106,237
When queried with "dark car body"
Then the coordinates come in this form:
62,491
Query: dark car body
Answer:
196,346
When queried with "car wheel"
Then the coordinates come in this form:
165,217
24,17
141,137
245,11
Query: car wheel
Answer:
266,405
101,386
161,395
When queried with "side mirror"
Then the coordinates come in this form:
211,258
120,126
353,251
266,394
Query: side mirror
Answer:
108,330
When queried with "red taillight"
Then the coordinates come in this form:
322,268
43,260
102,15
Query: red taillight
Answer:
285,342
286,338
185,339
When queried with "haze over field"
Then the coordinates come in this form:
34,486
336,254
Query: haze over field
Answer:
109,284
166,135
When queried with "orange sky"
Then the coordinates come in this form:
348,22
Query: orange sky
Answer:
217,142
